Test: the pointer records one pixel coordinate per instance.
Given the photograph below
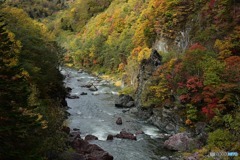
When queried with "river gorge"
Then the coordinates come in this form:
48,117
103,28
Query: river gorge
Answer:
94,113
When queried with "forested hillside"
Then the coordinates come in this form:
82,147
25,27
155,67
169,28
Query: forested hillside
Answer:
38,9
31,89
199,43
198,40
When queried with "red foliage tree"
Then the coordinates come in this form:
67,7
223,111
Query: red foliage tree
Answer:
232,70
197,46
209,109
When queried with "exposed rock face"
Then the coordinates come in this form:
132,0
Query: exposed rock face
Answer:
181,142
166,120
119,121
124,101
147,67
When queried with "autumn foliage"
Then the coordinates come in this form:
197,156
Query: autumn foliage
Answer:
201,81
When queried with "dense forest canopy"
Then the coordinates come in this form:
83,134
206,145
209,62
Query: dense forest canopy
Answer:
31,88
199,43
198,40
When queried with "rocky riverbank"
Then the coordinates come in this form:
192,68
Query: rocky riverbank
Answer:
83,150
166,117
89,90
120,134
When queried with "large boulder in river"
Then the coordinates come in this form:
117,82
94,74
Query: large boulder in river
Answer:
109,137
90,151
182,142
93,88
80,71
73,136
126,135
73,96
90,137
87,85
139,132
68,89
124,101
119,121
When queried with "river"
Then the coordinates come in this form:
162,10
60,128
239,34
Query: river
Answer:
96,114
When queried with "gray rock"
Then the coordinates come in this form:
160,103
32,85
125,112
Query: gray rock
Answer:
194,156
72,96
93,88
109,137
166,120
91,137
181,142
200,127
133,110
125,110
145,113
170,127
139,132
80,71
164,136
130,104
124,101
73,136
164,158
119,121
68,89
126,135
87,85
76,129
90,151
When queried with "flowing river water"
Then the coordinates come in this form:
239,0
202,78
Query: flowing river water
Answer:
96,114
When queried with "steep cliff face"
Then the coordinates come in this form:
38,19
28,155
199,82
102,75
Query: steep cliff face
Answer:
146,69
165,117
197,41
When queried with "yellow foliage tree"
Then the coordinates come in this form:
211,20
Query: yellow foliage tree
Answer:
144,54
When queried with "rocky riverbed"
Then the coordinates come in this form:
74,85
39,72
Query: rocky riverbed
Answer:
93,111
